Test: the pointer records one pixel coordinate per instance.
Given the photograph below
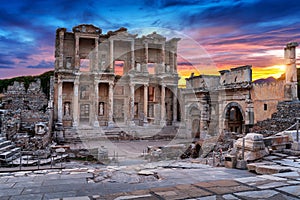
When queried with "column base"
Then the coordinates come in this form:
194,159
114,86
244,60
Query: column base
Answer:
131,123
145,123
163,123
110,124
175,123
96,124
74,124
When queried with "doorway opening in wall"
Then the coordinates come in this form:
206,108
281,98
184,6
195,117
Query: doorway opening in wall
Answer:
119,67
84,65
151,68
234,120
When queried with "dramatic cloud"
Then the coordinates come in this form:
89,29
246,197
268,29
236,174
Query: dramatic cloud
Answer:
228,33
42,65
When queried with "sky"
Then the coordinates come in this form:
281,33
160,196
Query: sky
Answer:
216,34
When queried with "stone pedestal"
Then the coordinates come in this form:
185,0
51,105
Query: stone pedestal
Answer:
241,164
296,146
230,161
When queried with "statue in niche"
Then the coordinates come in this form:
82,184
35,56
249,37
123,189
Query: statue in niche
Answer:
67,109
101,108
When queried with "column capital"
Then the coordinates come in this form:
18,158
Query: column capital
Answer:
146,85
163,85
111,84
131,84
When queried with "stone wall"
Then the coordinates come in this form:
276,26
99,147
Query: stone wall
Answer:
265,98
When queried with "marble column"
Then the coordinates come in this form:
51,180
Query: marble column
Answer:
61,49
163,105
111,54
60,101
75,101
77,58
146,58
132,55
96,57
145,104
163,58
175,105
111,104
96,102
132,104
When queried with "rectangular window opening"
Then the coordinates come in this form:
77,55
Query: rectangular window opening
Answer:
119,67
265,106
84,65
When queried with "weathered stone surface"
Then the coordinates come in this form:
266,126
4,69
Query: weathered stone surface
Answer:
271,169
254,137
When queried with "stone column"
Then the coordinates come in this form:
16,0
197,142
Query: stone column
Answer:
61,49
145,104
132,55
132,104
111,54
75,101
96,61
60,101
146,58
111,104
163,106
96,102
77,58
175,105
163,58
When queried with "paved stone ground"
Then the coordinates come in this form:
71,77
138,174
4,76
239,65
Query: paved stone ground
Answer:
177,180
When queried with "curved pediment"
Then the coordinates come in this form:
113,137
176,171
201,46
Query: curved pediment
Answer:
87,28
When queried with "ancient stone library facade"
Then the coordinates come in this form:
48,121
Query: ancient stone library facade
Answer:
117,78
114,78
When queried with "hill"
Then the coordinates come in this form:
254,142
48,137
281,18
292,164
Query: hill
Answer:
45,82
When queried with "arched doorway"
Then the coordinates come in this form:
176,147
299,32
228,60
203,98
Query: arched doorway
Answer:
195,115
234,118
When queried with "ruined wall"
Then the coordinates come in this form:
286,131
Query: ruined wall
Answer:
265,98
236,75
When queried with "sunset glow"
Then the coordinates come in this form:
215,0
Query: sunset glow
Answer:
215,35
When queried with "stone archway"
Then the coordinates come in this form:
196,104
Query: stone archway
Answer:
234,118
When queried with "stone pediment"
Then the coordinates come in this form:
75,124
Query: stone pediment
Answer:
121,34
87,28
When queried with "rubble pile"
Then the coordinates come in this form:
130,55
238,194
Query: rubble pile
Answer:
285,117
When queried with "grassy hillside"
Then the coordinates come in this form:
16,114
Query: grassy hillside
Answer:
45,81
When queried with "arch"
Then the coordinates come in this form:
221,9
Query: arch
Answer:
234,117
194,114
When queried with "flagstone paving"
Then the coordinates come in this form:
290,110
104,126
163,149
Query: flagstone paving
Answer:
175,180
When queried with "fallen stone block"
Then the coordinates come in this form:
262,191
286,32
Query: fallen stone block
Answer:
296,146
250,145
254,136
271,169
230,161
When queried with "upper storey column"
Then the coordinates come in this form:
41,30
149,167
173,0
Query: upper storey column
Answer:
111,54
146,57
111,103
61,49
77,58
132,55
96,57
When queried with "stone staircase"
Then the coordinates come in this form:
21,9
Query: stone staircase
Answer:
151,132
8,151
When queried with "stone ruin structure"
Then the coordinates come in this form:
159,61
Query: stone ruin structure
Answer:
114,79
26,118
232,102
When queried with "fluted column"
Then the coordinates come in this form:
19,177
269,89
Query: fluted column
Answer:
60,106
96,102
77,58
163,105
145,104
111,54
175,105
111,103
75,101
